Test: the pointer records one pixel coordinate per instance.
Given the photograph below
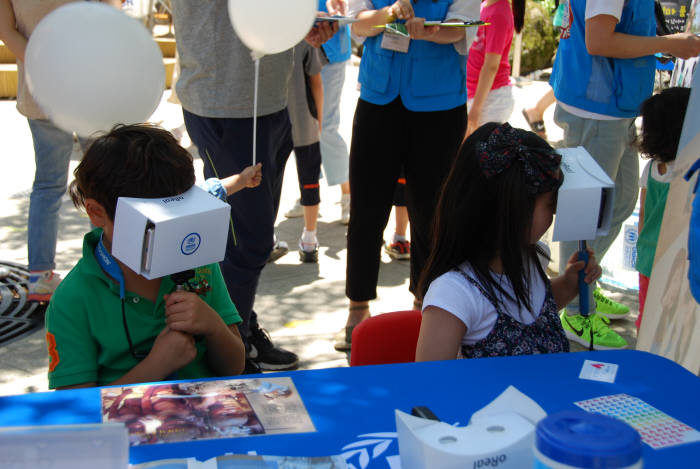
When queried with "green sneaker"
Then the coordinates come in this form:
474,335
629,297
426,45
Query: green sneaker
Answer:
578,329
604,306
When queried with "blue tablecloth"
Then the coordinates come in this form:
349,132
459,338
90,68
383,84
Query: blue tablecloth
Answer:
353,408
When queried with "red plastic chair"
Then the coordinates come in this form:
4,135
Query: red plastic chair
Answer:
386,338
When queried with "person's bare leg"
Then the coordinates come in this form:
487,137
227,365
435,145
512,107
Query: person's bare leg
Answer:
345,202
545,101
401,216
536,113
417,304
357,312
311,217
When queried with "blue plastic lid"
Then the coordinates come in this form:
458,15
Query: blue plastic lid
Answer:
583,439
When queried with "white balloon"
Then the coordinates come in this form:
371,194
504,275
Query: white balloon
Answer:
90,66
272,26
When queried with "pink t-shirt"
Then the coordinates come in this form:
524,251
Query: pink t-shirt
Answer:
494,38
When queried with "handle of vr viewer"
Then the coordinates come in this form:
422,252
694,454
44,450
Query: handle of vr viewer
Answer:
180,279
424,412
582,285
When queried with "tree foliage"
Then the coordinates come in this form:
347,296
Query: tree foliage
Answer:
540,37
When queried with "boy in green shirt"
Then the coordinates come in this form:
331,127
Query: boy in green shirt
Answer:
119,327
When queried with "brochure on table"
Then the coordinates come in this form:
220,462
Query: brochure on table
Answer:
167,413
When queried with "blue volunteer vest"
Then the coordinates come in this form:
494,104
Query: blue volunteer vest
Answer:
338,48
429,77
613,87
694,237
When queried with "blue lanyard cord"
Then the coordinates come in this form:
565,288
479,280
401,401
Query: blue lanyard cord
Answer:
111,268
137,355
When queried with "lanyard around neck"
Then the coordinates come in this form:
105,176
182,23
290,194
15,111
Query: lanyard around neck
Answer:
110,266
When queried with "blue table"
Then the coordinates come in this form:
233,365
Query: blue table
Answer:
353,408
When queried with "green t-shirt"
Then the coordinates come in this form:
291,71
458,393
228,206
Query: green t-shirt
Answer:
654,206
85,331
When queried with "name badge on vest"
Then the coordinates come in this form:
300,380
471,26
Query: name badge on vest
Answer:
395,41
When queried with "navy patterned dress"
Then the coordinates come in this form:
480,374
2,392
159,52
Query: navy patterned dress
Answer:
510,337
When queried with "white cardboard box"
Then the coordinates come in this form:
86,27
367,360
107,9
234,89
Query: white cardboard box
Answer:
501,434
184,232
585,200
82,446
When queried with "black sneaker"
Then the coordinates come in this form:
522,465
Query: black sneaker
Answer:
308,256
251,368
268,357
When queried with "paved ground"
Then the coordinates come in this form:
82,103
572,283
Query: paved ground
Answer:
303,306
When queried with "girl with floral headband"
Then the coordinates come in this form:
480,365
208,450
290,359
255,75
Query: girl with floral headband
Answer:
485,291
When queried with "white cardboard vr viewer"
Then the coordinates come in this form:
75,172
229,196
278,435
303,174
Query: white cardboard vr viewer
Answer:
504,440
158,237
585,200
500,434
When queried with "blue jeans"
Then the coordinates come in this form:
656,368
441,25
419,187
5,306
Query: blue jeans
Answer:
334,150
52,150
611,144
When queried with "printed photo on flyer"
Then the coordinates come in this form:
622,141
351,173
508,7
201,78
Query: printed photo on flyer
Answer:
165,413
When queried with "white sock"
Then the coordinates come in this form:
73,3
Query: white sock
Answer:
308,240
398,238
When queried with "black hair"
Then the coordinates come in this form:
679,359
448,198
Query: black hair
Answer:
478,219
662,123
132,161
518,7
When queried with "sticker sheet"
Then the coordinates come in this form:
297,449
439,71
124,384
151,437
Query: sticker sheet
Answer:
656,428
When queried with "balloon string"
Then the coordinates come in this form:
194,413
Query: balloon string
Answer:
255,108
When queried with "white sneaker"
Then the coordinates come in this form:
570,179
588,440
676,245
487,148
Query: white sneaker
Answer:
345,209
296,211
42,284
279,249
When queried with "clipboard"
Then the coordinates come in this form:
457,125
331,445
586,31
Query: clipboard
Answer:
457,24
341,20
400,28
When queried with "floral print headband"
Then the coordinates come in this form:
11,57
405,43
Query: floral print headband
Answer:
504,146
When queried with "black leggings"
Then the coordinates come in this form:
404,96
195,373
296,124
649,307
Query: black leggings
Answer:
400,190
308,160
385,137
